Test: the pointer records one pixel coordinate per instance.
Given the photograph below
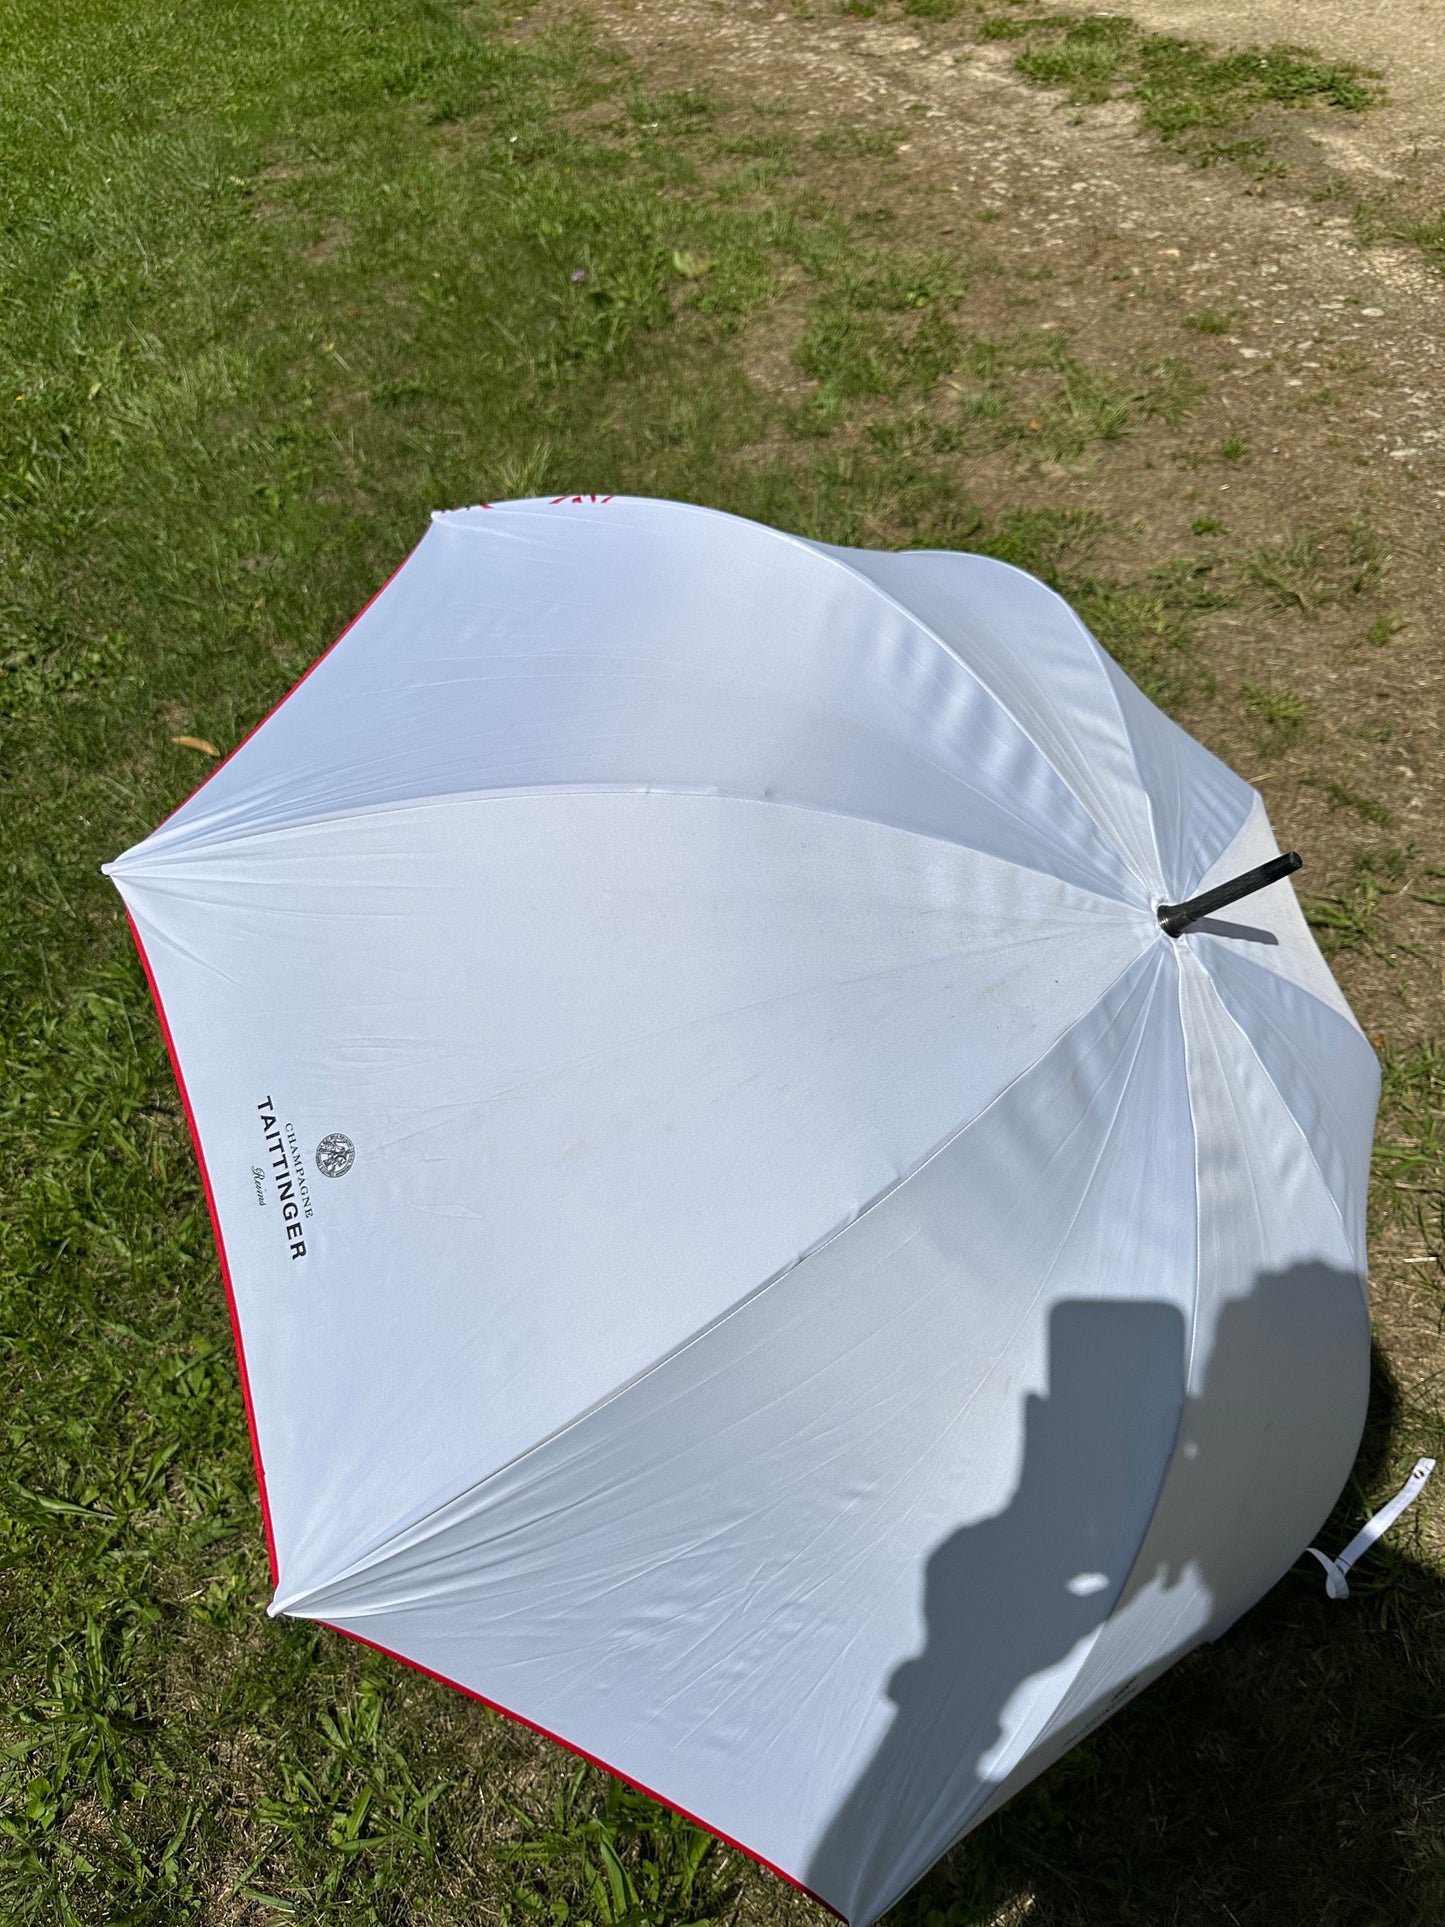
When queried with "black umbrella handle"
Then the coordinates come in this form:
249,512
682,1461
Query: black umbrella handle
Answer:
1177,917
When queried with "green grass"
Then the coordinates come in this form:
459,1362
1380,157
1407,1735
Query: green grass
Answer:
1209,321
1427,233
1411,1150
1352,918
855,142
1198,101
1369,808
1312,568
276,280
1383,629
1279,716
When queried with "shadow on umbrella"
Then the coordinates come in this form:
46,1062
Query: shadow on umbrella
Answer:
1035,1576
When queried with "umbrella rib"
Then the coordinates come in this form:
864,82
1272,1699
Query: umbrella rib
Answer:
1273,1085
643,1040
142,858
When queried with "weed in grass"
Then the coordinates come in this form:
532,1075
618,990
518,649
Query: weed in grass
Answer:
1290,571
1141,626
692,267
1309,568
895,283
1409,1161
1278,714
1234,448
1077,406
774,155
1171,391
33,675
937,512
1350,919
630,1863
1088,56
1365,557
856,142
1392,864
1207,525
680,111
1428,235
1087,408
1049,543
983,408
348,1805
881,329
1208,321
1383,628
1341,797
1193,583
854,354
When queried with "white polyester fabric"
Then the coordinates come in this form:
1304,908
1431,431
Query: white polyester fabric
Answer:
752,1250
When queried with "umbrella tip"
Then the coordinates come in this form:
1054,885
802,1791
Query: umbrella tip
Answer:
1175,918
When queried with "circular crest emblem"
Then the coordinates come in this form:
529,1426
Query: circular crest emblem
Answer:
335,1155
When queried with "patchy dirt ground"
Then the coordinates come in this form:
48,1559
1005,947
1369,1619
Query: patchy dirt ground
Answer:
1309,471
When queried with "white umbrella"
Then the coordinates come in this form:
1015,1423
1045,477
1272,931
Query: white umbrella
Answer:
753,1249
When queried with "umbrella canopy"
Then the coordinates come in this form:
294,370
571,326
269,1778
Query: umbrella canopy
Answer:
750,1248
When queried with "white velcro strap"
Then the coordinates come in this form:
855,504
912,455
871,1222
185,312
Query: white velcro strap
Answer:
1337,1583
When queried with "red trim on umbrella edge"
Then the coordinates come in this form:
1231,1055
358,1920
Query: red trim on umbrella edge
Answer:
145,964
174,1055
581,1752
185,1095
281,701
416,1665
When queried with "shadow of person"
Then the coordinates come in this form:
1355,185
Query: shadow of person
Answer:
1276,1774
1010,1596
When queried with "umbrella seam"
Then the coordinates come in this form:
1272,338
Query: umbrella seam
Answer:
1299,1129
1345,1017
1103,660
123,866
